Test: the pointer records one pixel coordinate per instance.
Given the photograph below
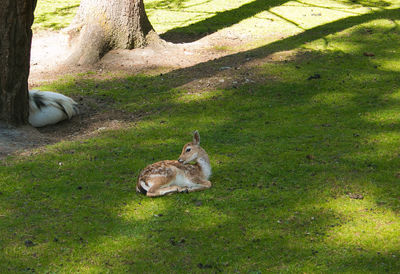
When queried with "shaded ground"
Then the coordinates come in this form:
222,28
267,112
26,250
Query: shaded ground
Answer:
50,50
88,123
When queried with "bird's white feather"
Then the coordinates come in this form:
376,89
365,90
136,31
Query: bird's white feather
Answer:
46,108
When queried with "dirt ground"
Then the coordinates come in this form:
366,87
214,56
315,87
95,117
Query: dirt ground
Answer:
51,49
48,55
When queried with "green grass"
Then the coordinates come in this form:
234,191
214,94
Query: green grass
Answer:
290,153
54,14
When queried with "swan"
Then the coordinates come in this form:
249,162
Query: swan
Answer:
47,108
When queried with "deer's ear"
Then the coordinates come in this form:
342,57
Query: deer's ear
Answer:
196,138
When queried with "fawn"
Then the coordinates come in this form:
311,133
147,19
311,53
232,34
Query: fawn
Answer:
167,177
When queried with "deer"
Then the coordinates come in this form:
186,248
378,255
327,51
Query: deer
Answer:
189,173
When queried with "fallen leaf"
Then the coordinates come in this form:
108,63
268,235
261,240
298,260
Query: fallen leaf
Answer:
368,54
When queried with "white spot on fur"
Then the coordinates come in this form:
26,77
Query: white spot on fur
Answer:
205,167
182,181
164,192
145,186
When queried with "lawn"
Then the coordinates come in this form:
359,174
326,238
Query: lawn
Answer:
304,146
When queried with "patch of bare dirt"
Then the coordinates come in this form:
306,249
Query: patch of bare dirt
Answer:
50,50
13,139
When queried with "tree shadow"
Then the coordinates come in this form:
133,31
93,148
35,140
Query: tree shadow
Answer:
369,3
196,31
219,21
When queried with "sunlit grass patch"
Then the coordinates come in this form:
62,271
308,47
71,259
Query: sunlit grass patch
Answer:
372,229
54,15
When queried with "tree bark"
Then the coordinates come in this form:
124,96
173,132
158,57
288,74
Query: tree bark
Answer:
16,18
102,25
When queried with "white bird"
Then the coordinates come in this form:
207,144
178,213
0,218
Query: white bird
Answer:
47,108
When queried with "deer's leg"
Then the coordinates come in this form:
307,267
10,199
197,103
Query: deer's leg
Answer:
165,191
160,187
201,184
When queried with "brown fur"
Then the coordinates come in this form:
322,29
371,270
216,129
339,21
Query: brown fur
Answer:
166,177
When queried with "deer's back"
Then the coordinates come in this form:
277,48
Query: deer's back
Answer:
169,168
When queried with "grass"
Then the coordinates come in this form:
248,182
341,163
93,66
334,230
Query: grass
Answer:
305,163
54,14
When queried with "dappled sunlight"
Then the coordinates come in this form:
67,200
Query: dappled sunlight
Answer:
324,44
333,4
306,17
143,210
302,135
388,63
368,37
334,98
54,14
369,229
383,117
199,96
374,3
395,94
290,17
171,15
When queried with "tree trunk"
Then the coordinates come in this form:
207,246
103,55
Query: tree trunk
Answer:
101,25
16,18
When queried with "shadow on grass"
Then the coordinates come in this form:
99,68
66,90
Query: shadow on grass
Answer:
210,68
369,3
284,152
219,21
228,18
172,4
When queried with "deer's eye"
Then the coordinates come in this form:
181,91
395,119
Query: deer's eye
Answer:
188,149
